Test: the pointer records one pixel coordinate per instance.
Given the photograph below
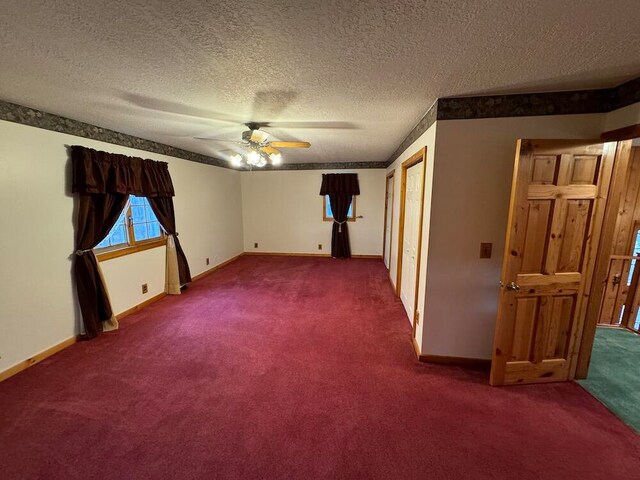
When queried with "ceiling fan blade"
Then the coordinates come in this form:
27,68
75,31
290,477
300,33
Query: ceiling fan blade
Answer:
290,144
319,125
270,150
222,140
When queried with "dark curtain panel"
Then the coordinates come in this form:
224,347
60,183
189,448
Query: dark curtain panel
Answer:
103,182
163,208
97,214
340,187
340,247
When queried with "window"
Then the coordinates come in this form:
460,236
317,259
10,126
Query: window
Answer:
327,214
136,229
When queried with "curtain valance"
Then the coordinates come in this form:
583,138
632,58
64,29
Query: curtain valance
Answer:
102,172
340,183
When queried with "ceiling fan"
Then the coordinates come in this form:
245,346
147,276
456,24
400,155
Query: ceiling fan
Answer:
260,150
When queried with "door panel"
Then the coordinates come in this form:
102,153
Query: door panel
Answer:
557,201
388,223
411,237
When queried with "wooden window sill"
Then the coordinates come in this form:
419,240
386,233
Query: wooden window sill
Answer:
139,247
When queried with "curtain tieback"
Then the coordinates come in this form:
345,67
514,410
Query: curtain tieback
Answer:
82,252
340,225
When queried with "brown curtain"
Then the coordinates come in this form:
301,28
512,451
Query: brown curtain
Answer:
97,214
163,208
102,172
341,187
103,181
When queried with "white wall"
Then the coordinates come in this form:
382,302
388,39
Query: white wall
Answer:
428,139
282,212
469,205
37,298
623,117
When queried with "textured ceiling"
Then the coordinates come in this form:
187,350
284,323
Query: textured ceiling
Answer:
368,70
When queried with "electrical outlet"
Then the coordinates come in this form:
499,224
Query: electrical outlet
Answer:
319,246
255,245
145,288
207,260
485,250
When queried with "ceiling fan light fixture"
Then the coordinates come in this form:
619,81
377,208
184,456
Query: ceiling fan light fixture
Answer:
236,160
254,158
276,158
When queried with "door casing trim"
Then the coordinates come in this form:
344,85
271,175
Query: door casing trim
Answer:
390,175
614,195
416,158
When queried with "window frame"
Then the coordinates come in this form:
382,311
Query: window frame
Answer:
132,246
325,218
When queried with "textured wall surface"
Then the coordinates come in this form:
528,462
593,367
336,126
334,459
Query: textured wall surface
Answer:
166,71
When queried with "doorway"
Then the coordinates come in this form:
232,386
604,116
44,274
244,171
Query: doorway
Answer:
570,281
410,232
620,302
388,220
556,214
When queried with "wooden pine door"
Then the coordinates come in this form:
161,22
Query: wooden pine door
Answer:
413,195
388,221
556,212
617,302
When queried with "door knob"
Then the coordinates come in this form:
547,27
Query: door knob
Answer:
513,286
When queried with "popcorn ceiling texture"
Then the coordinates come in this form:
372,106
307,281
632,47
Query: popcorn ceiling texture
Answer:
166,71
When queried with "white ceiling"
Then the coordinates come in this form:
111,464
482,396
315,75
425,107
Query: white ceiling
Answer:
168,70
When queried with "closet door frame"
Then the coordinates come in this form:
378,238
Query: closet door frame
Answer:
419,156
390,176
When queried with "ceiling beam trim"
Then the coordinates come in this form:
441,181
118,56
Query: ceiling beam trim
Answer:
325,166
423,125
524,105
451,108
13,112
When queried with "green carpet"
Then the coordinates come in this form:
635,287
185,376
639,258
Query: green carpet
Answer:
614,374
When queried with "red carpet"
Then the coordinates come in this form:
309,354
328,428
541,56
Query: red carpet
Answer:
291,368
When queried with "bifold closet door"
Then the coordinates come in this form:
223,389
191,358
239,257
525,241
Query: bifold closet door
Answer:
410,246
